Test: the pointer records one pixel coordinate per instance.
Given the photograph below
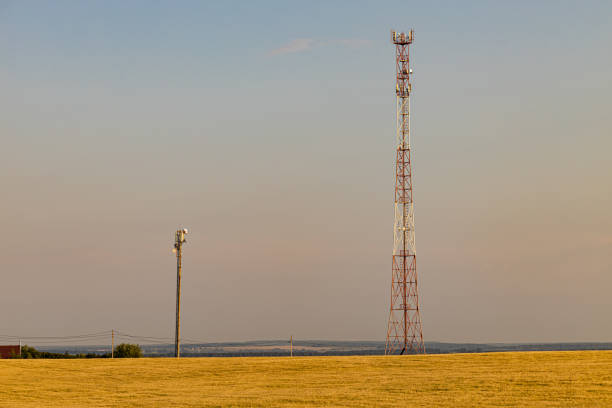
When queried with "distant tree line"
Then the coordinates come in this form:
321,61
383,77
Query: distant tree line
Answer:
123,350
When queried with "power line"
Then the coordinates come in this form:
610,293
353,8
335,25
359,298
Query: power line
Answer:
89,337
76,336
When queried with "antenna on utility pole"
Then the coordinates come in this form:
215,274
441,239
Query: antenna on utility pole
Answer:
179,240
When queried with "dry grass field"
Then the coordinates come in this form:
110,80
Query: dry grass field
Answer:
538,379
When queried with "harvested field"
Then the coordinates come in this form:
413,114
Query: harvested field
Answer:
538,379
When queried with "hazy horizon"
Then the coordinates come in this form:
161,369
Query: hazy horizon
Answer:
268,130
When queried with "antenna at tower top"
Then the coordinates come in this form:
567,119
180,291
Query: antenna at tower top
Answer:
402,38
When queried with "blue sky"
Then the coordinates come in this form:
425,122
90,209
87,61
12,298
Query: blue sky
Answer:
268,129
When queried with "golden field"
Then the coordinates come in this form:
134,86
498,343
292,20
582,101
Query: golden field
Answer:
538,379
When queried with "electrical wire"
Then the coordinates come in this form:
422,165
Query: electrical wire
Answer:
96,336
77,336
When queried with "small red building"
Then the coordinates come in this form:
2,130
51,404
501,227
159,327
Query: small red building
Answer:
9,351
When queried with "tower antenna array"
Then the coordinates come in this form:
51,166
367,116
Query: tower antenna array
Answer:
404,334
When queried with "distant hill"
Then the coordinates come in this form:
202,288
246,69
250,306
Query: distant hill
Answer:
324,347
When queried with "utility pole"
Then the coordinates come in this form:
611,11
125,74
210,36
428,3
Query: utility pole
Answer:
291,345
179,240
113,343
404,332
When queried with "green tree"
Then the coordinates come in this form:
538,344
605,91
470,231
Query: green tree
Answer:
28,352
125,350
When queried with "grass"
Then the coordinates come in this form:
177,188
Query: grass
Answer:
537,379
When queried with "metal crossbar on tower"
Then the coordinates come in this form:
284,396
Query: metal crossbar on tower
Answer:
404,334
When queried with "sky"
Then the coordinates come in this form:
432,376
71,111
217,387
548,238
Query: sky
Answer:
268,130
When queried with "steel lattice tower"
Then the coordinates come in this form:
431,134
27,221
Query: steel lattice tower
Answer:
404,334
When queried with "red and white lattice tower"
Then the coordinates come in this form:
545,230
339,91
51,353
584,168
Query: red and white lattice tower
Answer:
404,334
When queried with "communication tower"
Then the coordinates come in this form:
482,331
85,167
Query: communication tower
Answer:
404,334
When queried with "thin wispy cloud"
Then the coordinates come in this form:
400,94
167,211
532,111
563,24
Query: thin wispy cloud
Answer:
305,44
352,42
298,45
